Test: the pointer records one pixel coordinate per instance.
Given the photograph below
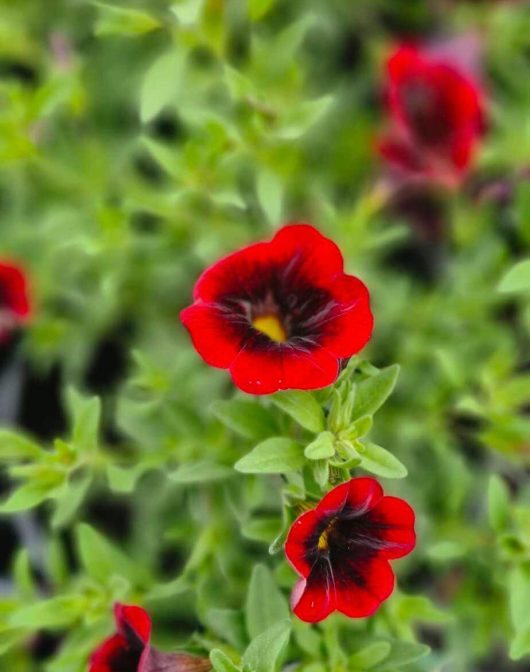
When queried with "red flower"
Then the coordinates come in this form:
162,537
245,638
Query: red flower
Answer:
436,107
341,550
280,315
14,298
129,650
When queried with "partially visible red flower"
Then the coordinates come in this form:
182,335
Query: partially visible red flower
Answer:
280,315
14,298
436,107
342,548
129,650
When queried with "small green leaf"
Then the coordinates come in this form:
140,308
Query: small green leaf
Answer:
221,662
257,9
401,654
370,655
54,613
160,84
265,651
28,496
517,279
121,21
70,498
379,461
372,393
302,407
261,529
188,12
277,455
269,188
520,645
200,472
498,503
265,604
229,625
17,446
86,412
300,118
519,594
321,448
123,479
23,575
247,418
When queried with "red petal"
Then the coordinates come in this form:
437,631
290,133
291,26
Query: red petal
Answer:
349,330
282,367
296,544
215,338
132,620
103,657
313,599
14,289
360,587
315,256
360,494
398,518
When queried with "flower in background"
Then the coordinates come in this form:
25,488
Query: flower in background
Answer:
436,106
280,315
15,306
342,548
129,650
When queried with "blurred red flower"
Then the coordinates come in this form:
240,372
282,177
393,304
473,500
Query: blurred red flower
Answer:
15,306
436,106
129,650
342,547
280,315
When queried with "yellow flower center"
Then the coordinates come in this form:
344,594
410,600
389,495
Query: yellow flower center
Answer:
323,541
271,326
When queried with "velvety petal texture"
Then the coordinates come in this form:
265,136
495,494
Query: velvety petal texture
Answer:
15,308
341,550
130,650
280,315
436,108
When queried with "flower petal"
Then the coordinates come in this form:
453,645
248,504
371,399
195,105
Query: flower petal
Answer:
359,495
215,335
298,540
361,586
133,623
313,599
392,522
14,289
115,655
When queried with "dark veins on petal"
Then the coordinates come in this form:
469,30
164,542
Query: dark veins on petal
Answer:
301,308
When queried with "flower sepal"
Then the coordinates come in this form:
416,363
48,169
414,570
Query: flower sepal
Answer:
158,661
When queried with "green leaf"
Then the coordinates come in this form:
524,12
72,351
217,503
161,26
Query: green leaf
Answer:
17,446
269,189
370,655
300,118
519,595
265,651
221,662
123,479
102,560
28,496
70,498
302,407
321,448
517,279
121,21
23,575
261,529
498,503
379,461
372,393
188,12
160,84
247,418
54,613
257,9
265,604
200,472
277,455
86,412
402,653
520,645
228,624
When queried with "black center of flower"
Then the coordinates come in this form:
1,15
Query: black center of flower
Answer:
428,111
277,306
125,660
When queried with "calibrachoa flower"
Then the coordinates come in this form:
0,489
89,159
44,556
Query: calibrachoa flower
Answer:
14,298
435,103
280,315
342,548
129,650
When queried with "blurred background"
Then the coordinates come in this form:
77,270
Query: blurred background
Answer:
139,142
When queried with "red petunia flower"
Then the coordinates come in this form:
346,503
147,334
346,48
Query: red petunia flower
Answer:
280,315
129,650
342,550
14,298
435,102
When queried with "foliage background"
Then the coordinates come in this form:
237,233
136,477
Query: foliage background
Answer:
139,141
